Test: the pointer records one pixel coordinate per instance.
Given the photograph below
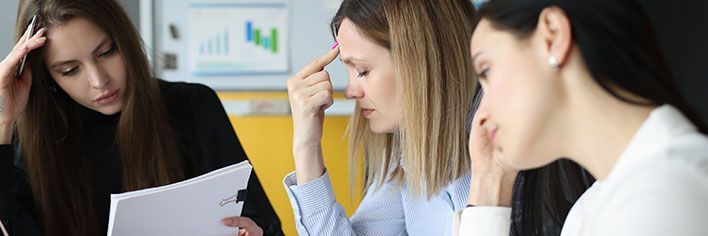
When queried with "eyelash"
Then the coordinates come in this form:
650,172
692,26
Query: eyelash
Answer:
69,72
72,70
107,52
483,74
361,74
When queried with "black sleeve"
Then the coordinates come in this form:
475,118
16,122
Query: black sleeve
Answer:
220,147
15,196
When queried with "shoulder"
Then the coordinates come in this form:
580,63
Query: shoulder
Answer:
184,90
183,97
666,191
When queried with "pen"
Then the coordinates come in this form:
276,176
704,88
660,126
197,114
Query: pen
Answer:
30,28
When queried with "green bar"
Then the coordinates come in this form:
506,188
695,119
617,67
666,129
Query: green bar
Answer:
274,40
258,37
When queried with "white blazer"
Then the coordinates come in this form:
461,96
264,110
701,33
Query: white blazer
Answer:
658,186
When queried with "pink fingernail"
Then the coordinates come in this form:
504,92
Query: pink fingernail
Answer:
335,44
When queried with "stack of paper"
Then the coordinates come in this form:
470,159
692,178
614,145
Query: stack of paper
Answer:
191,207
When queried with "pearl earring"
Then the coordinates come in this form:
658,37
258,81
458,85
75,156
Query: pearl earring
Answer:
553,62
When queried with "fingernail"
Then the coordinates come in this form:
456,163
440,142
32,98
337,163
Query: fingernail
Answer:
227,221
335,44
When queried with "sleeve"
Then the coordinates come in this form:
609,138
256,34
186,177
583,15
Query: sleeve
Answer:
15,197
318,213
221,147
482,220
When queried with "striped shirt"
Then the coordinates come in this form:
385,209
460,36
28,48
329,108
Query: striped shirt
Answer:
387,210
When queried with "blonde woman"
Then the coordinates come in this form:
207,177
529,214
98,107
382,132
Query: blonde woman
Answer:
413,84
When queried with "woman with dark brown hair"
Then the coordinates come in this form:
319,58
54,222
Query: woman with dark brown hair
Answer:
85,119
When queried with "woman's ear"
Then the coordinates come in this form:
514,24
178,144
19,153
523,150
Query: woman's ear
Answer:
555,33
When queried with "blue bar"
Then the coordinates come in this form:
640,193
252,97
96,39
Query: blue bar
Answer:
218,44
202,48
210,46
226,41
266,43
249,31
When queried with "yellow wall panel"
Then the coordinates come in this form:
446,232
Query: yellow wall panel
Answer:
268,143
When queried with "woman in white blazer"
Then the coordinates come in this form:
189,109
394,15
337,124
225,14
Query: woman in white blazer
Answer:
585,80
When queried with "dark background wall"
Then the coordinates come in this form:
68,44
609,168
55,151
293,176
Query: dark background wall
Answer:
682,29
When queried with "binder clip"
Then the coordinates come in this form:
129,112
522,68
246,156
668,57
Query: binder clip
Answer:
239,197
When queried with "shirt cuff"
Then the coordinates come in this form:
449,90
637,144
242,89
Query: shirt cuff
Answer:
484,220
311,197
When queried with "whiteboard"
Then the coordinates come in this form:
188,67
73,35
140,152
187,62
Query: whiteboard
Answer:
307,33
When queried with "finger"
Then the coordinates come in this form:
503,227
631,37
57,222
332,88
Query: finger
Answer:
17,55
246,225
328,105
39,34
322,100
314,89
237,221
9,65
22,39
317,77
318,64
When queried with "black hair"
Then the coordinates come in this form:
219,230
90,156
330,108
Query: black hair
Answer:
622,54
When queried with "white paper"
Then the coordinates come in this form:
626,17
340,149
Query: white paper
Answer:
191,207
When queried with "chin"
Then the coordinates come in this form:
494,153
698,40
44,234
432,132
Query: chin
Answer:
524,160
381,129
111,110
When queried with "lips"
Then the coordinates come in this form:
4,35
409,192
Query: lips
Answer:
366,111
107,98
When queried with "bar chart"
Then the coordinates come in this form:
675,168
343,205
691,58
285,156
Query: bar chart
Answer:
237,39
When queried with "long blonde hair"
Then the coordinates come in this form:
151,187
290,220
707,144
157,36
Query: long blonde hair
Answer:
429,44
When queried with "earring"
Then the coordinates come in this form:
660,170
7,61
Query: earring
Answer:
553,62
53,88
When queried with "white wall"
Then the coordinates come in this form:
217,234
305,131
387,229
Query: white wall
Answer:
309,38
8,13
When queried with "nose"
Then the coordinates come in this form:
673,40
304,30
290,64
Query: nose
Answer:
96,77
353,90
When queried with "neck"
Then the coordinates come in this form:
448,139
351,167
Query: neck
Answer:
602,126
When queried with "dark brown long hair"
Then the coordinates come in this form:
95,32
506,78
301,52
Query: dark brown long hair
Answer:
51,130
621,52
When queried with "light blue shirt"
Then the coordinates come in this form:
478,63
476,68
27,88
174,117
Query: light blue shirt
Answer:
387,210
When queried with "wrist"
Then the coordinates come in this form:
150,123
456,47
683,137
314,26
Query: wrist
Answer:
6,133
309,164
491,190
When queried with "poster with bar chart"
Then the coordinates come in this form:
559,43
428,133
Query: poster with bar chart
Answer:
238,38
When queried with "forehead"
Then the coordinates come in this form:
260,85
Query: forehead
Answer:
354,43
75,37
483,34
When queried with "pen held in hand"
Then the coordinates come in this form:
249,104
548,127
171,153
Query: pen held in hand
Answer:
30,28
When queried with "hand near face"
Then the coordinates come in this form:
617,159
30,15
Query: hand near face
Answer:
310,93
492,181
14,92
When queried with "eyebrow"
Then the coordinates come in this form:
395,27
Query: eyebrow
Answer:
474,56
103,42
350,60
